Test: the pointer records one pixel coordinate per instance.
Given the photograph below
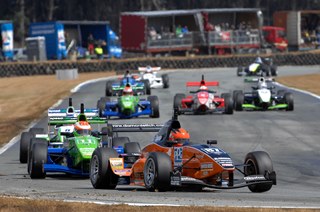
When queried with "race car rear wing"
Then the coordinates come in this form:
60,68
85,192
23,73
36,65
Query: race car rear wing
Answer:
212,83
133,128
249,80
144,69
71,112
72,120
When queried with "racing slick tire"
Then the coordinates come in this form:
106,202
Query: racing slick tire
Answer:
104,138
288,98
274,70
132,147
147,87
24,142
177,100
228,103
258,163
120,141
33,141
281,93
35,130
39,154
109,91
238,101
157,169
101,105
101,174
165,80
154,102
239,71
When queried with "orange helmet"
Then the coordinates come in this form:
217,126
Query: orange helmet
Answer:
127,91
179,136
203,87
82,128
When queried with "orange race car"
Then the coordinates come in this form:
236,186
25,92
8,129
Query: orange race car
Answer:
171,162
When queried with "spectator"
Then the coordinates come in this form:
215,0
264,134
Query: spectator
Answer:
184,30
153,33
91,42
99,52
179,31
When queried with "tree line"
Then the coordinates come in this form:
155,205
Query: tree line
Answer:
23,12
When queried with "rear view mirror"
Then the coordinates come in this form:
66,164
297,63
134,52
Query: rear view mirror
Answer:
211,142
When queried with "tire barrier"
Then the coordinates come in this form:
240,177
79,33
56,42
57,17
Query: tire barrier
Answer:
12,69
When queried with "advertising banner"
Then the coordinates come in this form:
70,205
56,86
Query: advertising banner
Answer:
7,40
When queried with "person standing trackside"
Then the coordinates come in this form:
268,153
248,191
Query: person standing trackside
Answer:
91,42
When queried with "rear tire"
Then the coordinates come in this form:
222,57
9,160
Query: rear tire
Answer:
35,130
101,174
259,162
177,100
288,98
147,87
24,143
165,80
157,171
109,91
154,103
239,71
239,100
101,105
30,144
274,70
120,141
39,154
228,103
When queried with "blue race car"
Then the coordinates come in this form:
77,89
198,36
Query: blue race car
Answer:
128,106
114,88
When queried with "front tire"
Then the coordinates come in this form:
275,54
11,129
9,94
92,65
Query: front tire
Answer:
258,163
109,91
165,80
177,100
147,87
239,71
101,105
101,174
154,103
39,154
157,171
239,100
288,98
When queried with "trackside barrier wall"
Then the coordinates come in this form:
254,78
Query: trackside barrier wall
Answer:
9,69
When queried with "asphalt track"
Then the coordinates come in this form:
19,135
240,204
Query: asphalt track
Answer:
291,139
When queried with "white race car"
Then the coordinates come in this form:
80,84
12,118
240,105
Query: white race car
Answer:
150,73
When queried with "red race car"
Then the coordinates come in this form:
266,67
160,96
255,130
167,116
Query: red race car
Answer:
203,100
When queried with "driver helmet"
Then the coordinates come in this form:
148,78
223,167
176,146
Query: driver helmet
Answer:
179,137
258,60
127,74
262,83
127,91
82,128
203,87
148,69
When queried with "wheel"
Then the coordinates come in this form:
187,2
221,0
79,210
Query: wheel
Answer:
257,164
109,88
165,80
35,130
228,103
239,71
101,105
39,154
274,70
33,141
238,102
132,147
154,102
101,174
147,87
157,169
288,98
281,93
104,138
234,94
24,142
177,100
120,141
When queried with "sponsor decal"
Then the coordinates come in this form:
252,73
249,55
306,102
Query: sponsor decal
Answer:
178,156
206,166
254,178
116,163
175,179
136,125
212,150
205,173
87,151
138,175
199,156
122,171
